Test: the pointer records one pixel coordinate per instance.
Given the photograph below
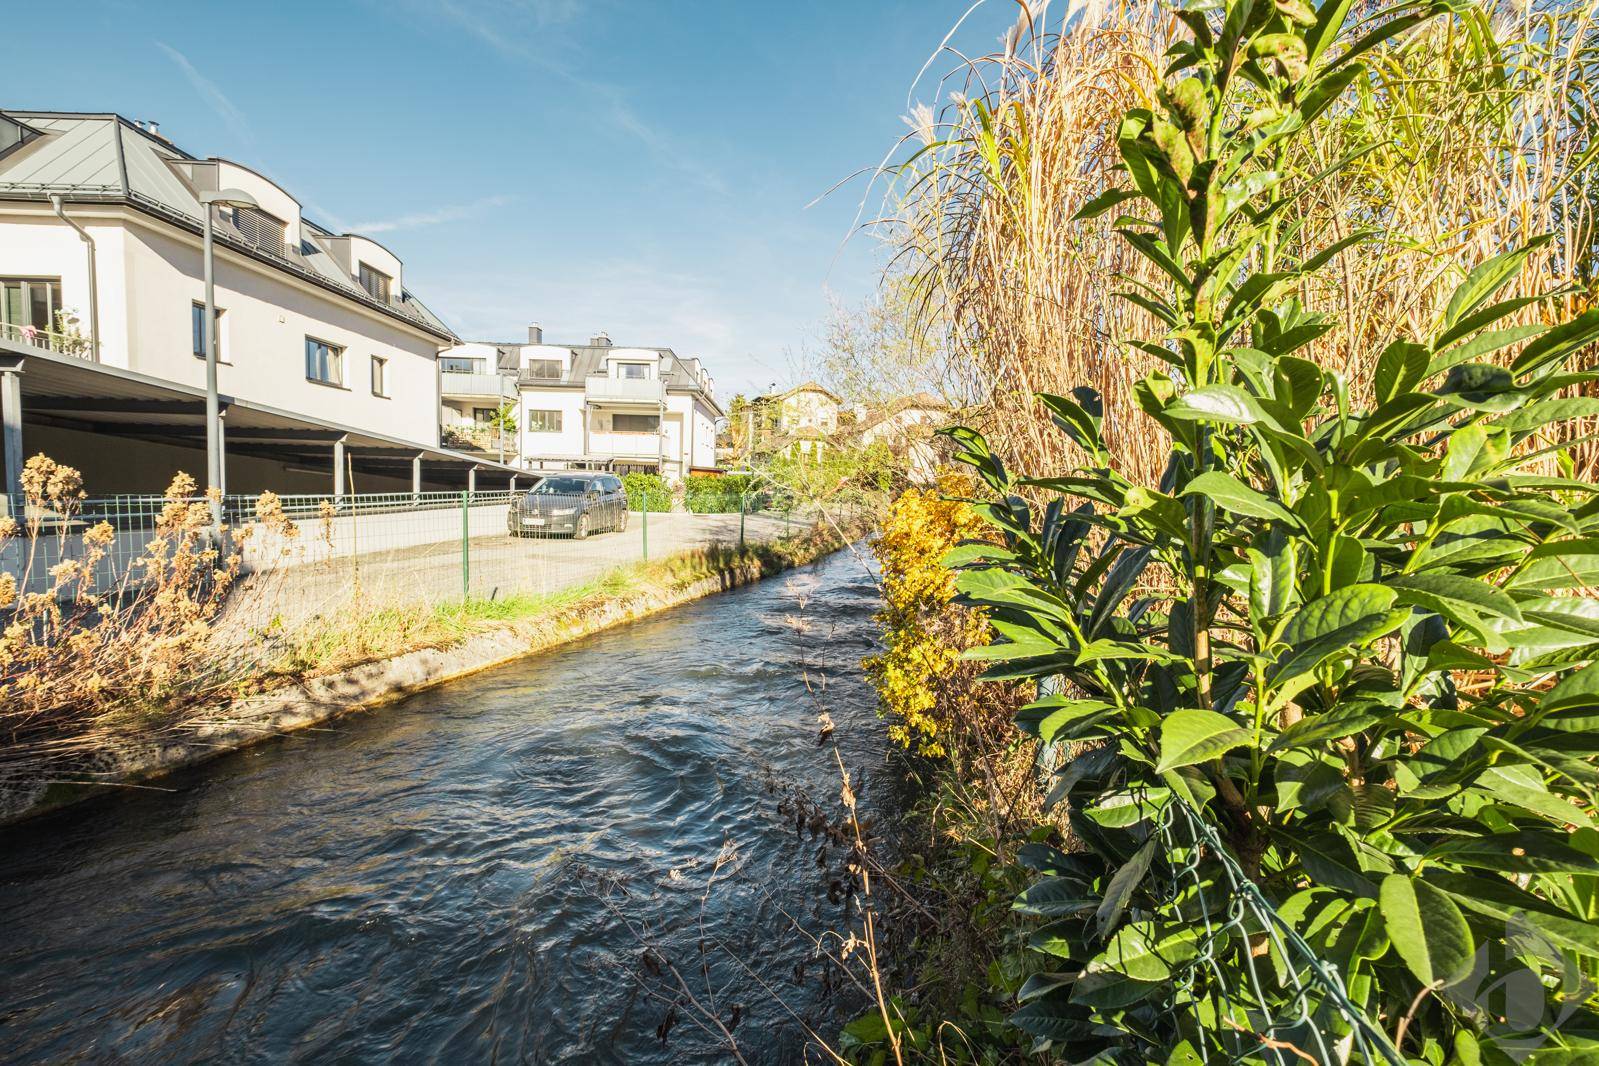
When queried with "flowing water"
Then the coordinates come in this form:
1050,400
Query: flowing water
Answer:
472,875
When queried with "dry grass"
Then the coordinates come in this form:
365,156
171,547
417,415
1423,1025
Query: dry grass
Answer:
1470,138
100,649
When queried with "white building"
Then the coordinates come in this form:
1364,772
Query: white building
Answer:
594,406
323,350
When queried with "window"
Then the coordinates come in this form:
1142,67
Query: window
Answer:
484,415
375,282
454,364
549,369
324,362
260,228
380,376
636,423
544,421
29,304
197,331
633,371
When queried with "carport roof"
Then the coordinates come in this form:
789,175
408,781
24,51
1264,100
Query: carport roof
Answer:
75,393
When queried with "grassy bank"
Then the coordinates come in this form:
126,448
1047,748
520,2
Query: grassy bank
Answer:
360,659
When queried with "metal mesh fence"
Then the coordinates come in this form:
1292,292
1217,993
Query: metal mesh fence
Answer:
393,550
1294,1006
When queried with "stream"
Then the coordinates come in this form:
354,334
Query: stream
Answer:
473,875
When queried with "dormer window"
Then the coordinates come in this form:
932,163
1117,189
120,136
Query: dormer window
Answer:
261,229
376,283
633,371
544,369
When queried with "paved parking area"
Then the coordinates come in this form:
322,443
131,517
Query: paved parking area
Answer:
496,565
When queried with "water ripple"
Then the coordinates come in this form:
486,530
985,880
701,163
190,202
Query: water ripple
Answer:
465,877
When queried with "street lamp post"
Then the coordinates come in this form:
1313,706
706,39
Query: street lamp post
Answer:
209,201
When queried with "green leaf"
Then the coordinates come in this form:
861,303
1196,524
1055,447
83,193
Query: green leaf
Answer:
1516,853
1427,929
1330,860
1122,885
1487,278
1054,897
1401,368
1230,494
1057,717
1189,737
1145,951
1554,346
1335,724
1218,403
1448,594
1498,898
1344,620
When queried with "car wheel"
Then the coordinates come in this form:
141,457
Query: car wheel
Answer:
621,527
582,529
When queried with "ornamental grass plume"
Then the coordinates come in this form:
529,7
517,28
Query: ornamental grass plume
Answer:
108,639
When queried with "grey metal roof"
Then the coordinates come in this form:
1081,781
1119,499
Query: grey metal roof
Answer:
99,157
589,359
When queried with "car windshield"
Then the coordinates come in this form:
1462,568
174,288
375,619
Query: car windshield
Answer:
562,486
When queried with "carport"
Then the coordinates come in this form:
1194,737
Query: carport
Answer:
46,397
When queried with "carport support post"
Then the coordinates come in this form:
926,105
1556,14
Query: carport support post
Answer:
11,420
471,481
338,471
416,478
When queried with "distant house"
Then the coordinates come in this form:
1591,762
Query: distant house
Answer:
591,406
906,426
806,409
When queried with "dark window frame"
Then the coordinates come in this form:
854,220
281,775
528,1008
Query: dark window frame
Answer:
335,360
196,316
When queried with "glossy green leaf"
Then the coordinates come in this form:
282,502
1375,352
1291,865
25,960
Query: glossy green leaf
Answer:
1195,736
1230,494
1426,929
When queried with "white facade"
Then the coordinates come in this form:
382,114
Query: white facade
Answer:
599,406
298,283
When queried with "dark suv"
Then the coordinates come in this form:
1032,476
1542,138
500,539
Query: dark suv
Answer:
573,505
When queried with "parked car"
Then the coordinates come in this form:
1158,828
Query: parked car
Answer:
573,505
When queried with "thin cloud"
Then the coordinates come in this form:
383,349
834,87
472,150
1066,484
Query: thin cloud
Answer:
214,97
495,24
447,213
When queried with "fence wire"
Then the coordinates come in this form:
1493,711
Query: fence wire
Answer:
1295,1009
397,550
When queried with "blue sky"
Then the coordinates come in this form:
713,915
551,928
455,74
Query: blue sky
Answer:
637,166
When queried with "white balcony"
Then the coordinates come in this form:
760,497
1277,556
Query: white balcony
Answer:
457,383
644,391
638,445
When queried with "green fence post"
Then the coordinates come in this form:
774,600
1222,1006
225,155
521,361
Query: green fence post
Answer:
466,546
645,520
743,507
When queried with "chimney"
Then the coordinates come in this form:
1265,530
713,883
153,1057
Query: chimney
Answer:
600,340
535,334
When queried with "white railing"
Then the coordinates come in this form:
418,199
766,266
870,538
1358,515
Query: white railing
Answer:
600,389
461,383
628,444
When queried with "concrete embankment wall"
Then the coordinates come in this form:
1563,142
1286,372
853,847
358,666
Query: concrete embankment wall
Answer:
215,731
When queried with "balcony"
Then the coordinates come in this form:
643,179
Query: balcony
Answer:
630,445
601,389
459,383
60,343
476,437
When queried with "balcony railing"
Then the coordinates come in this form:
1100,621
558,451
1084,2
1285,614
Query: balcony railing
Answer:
461,383
601,389
60,343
